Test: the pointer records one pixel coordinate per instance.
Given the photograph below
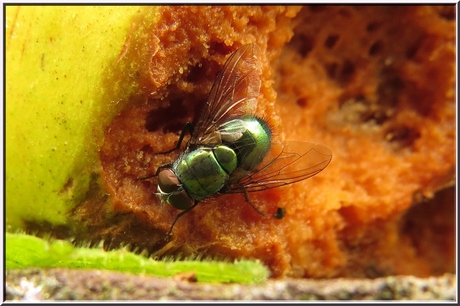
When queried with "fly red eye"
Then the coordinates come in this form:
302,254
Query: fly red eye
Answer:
180,200
168,181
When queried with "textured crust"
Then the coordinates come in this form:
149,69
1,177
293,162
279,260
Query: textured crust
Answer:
374,84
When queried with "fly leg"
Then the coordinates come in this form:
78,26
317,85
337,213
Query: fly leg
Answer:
178,216
246,197
187,127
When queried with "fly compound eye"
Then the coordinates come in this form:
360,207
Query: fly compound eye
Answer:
171,189
180,200
168,181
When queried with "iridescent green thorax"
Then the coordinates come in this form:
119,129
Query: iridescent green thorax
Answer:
204,171
253,143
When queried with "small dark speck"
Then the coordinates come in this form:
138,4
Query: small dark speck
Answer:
42,62
280,213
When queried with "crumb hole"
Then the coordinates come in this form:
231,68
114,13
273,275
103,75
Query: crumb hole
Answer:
447,12
331,70
376,48
389,89
219,48
147,149
303,44
302,102
162,118
430,227
341,74
411,51
403,135
371,27
196,73
331,41
345,12
348,69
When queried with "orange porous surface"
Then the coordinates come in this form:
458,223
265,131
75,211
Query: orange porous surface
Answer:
374,84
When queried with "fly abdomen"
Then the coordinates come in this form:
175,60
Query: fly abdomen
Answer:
253,142
204,171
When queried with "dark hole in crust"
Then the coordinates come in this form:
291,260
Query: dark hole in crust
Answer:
376,48
371,27
389,89
447,12
331,41
404,135
430,226
220,48
303,44
341,73
170,119
412,50
348,69
196,74
331,69
302,102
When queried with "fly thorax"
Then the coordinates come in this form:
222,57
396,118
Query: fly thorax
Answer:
226,157
201,171
251,140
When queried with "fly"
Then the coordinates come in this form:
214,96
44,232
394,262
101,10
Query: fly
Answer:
229,146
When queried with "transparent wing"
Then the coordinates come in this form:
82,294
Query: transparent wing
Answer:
234,92
288,163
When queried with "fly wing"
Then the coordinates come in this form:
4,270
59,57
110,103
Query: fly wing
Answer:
234,92
288,163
